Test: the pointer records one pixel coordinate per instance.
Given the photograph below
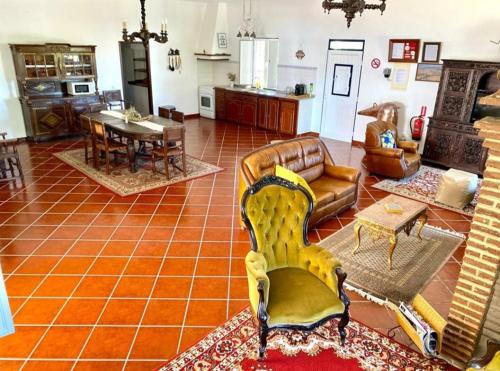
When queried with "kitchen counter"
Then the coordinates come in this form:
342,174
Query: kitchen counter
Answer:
266,92
266,109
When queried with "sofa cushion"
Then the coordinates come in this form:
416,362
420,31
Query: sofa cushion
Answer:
340,188
261,163
314,158
297,296
291,156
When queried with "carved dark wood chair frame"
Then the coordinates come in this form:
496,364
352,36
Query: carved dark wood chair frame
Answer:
10,155
262,315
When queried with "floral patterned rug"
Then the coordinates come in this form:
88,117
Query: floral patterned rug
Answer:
124,183
423,187
234,345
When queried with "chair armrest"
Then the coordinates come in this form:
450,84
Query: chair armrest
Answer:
385,152
346,173
322,264
407,146
258,281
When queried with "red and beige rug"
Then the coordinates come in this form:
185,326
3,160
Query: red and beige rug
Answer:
234,345
124,183
423,187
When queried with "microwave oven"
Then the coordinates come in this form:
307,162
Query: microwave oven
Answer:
80,88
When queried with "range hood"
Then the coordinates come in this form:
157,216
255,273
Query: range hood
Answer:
215,22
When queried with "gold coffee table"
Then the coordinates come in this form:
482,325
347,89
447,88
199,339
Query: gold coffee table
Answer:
379,223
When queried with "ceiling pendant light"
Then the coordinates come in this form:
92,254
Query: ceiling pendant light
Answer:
246,29
351,7
144,35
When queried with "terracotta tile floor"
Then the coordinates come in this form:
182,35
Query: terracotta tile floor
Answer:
97,281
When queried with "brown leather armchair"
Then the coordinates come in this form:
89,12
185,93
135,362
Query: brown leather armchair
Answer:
398,163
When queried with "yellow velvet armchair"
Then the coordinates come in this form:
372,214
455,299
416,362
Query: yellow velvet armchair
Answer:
292,284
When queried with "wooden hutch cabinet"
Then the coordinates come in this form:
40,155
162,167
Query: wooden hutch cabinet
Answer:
42,72
451,138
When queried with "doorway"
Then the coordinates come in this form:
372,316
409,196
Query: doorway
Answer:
136,76
340,97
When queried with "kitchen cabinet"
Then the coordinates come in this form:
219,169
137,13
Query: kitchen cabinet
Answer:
273,114
249,111
288,117
220,105
278,113
42,71
233,109
263,109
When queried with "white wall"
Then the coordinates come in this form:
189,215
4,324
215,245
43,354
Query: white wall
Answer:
464,28
98,22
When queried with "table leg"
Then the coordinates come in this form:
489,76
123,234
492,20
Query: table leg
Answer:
357,231
131,155
393,240
423,220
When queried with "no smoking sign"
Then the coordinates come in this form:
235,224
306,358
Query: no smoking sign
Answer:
375,63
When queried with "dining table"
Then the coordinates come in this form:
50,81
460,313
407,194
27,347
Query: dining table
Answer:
150,130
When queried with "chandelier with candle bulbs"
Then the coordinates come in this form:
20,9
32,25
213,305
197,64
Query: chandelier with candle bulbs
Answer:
144,35
351,7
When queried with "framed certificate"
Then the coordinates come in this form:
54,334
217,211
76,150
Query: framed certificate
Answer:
431,52
404,50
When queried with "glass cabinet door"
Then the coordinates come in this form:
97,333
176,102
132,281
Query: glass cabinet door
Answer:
78,65
40,66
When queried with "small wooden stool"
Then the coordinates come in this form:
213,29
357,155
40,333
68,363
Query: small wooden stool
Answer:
166,111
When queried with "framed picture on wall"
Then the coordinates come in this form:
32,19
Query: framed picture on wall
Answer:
431,52
404,50
429,72
222,40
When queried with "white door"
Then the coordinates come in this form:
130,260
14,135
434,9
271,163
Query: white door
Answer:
341,94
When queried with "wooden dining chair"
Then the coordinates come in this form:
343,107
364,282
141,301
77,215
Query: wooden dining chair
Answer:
87,130
178,116
9,159
102,143
114,100
176,148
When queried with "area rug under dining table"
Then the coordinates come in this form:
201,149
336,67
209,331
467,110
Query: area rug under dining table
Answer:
125,183
234,346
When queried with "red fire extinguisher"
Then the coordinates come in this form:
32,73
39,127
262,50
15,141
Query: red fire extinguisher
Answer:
417,124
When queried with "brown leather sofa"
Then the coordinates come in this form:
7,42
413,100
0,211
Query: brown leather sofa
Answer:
335,187
397,163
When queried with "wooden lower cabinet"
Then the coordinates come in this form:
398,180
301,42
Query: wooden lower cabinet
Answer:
233,110
50,120
455,145
263,109
269,113
249,112
56,117
288,117
273,114
220,105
